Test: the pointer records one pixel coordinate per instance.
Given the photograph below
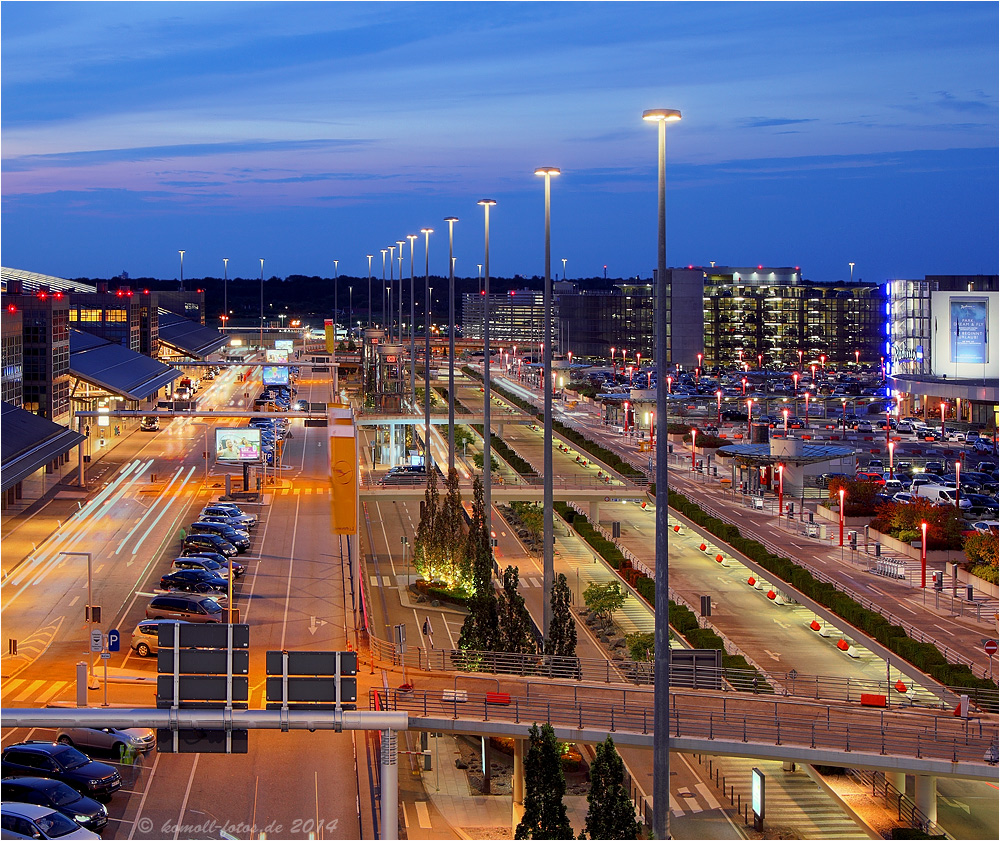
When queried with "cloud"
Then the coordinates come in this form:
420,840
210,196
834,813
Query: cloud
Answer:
25,163
950,102
769,122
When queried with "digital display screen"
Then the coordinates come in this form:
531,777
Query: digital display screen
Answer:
968,330
283,344
757,792
276,355
241,444
275,375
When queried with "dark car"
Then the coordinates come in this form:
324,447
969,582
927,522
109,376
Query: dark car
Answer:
239,538
213,566
195,543
42,791
194,581
935,467
982,504
824,479
63,763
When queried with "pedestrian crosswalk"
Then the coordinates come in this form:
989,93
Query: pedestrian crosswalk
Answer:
26,692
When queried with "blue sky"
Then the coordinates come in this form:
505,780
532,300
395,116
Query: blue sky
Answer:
814,134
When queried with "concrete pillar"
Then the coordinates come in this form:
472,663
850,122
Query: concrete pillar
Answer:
518,782
925,795
390,786
897,779
487,771
595,511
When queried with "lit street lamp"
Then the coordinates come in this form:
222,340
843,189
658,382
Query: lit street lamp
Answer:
661,635
179,251
428,457
413,330
487,448
451,220
923,555
548,574
261,304
841,493
225,292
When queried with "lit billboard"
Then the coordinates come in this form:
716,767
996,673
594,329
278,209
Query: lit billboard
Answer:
276,355
284,344
241,444
275,375
968,330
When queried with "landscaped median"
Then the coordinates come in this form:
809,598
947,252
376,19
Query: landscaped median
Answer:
925,656
682,618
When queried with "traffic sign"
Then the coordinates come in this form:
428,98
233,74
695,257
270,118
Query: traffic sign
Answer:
105,655
990,647
96,641
114,640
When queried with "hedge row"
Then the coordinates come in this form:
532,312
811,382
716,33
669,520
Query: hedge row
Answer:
612,460
513,459
600,544
925,656
460,408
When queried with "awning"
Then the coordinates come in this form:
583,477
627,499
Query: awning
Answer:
29,442
115,368
188,337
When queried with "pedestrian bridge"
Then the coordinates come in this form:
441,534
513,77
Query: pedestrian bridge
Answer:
570,488
712,723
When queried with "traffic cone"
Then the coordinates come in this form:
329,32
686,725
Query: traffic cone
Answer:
771,595
751,581
815,625
843,645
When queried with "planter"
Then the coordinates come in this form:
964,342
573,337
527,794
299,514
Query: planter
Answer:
935,556
825,513
985,587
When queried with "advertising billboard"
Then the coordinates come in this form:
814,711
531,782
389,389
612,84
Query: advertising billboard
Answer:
275,375
284,344
276,355
242,444
968,330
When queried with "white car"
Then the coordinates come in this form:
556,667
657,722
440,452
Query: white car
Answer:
987,526
26,820
110,739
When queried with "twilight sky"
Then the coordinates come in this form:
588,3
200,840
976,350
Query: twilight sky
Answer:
814,134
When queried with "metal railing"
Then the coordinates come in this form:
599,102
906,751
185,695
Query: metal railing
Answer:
701,715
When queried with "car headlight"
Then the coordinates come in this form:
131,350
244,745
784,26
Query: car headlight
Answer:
94,783
81,818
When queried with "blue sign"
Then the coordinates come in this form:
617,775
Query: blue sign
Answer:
114,640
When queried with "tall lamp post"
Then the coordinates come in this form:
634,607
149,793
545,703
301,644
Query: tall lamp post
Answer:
923,554
370,286
428,458
451,220
387,315
225,292
384,251
548,536
413,330
399,299
661,667
336,281
261,304
841,494
179,251
487,449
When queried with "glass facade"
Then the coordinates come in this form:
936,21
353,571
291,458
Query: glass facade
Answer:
12,382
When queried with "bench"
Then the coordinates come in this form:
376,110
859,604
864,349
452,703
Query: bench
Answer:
871,700
499,698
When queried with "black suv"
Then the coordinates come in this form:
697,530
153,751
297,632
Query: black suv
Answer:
195,543
63,763
42,791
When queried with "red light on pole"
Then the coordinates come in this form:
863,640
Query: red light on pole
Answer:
807,407
744,381
670,385
800,360
718,400
892,447
841,492
760,361
749,408
781,489
944,407
813,369
822,360
958,484
785,413
626,416
694,437
923,554
857,357
795,379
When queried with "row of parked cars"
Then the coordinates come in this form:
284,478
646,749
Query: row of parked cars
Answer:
55,790
199,580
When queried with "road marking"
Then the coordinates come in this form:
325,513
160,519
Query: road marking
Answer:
75,600
50,693
374,580
35,686
709,799
386,581
772,655
423,816
406,816
675,807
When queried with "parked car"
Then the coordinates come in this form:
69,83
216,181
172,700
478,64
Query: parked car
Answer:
239,538
864,426
891,486
194,581
986,526
903,497
146,636
982,505
110,739
189,607
53,794
63,763
237,519
982,445
936,467
942,496
865,476
221,560
875,465
209,565
195,543
26,820
824,479
904,428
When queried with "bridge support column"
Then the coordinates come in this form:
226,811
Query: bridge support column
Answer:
925,795
487,762
517,789
595,511
897,779
389,795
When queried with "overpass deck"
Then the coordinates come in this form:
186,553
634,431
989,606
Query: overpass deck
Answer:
707,722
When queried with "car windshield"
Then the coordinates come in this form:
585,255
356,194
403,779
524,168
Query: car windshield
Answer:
62,795
70,758
55,825
211,606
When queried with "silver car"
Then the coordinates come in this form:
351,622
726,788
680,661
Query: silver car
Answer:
110,739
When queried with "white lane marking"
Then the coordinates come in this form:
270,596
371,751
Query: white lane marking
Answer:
423,816
702,789
291,564
187,793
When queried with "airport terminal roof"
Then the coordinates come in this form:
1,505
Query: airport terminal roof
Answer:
762,454
189,337
29,442
115,368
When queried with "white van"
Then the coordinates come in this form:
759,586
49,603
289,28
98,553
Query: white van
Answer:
941,495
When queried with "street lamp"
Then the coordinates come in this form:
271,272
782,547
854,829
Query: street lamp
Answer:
718,400
781,490
261,304
451,220
852,271
181,252
841,494
923,554
399,300
744,382
785,413
428,457
548,574
384,252
892,447
749,414
564,268
387,313
225,291
694,438
958,484
413,329
661,637
944,408
369,256
857,358
486,204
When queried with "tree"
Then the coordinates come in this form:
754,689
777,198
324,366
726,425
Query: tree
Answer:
641,646
515,626
561,638
604,599
452,523
611,814
481,629
544,786
479,459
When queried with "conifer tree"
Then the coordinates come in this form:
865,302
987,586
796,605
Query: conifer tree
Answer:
515,621
544,786
481,629
611,814
561,638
